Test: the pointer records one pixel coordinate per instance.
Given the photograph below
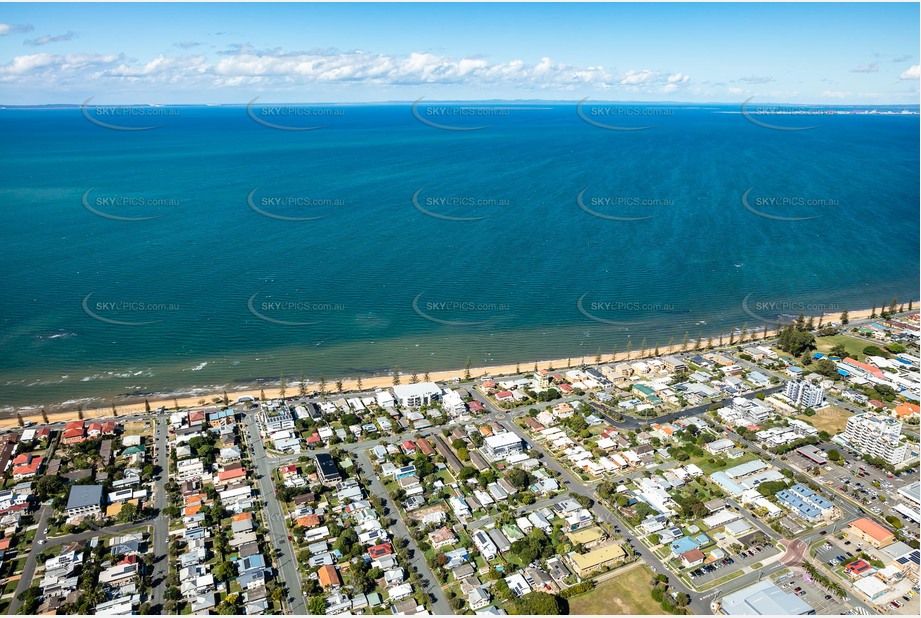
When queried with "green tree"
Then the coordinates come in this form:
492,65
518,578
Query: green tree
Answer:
316,606
225,571
128,513
542,604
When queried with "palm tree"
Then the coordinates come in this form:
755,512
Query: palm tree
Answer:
339,385
281,386
302,386
467,369
358,383
323,385
45,416
425,377
396,376
19,420
414,378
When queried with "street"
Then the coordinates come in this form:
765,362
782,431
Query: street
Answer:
277,530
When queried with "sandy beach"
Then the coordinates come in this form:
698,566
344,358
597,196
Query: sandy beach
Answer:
371,383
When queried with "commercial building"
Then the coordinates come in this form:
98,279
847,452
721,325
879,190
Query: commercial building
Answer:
764,598
871,532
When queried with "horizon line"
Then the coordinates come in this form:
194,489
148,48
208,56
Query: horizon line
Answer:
424,101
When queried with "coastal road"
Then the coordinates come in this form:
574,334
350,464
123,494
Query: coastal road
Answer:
28,571
277,530
440,604
601,512
161,522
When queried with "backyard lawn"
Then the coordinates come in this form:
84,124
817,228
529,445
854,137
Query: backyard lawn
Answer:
627,593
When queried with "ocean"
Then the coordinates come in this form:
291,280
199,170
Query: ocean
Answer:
216,251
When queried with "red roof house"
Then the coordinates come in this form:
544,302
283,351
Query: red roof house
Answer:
379,551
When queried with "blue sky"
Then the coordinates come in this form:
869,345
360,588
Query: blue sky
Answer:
231,53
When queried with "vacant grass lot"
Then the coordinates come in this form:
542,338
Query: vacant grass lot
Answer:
831,419
853,346
625,594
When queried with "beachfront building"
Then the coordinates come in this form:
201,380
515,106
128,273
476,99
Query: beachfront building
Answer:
415,395
453,404
877,436
805,394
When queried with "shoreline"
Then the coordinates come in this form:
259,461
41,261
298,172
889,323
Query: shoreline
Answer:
385,381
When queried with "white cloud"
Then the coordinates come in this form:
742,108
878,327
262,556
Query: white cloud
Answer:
245,66
756,79
912,73
49,38
6,29
866,68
